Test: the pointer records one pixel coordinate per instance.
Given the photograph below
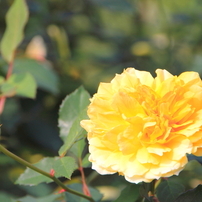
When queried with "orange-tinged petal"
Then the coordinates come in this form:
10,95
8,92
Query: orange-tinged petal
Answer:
142,127
198,152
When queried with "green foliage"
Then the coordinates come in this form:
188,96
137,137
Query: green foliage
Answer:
168,191
1,80
50,198
191,195
86,43
19,84
77,151
130,194
63,167
72,111
5,160
42,72
85,162
40,190
5,197
77,148
78,187
16,19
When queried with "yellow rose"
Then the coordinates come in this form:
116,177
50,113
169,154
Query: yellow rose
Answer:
143,127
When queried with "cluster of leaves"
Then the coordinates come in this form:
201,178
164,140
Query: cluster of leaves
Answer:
166,191
14,85
111,46
72,111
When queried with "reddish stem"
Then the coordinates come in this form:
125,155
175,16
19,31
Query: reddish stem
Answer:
3,98
155,199
86,190
10,70
2,103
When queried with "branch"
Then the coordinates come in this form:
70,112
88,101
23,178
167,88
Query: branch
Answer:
85,187
56,180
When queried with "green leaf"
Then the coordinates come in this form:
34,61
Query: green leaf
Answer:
72,106
73,109
16,19
1,80
31,177
193,195
50,198
78,187
129,194
168,191
149,199
76,133
65,166
43,73
5,197
20,84
62,166
8,89
39,190
5,160
77,148
85,162
76,151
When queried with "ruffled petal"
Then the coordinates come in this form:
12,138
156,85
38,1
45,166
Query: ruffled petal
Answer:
142,127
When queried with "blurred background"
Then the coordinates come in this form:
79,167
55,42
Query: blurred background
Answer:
69,43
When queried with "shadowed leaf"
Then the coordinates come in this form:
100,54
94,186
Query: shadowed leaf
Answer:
129,194
50,198
63,167
20,84
78,187
193,195
43,73
72,111
168,191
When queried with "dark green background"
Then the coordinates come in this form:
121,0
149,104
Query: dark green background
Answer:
87,42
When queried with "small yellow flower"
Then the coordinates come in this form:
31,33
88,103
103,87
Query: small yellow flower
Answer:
143,127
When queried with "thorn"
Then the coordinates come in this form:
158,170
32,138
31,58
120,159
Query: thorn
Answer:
61,191
52,172
62,155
